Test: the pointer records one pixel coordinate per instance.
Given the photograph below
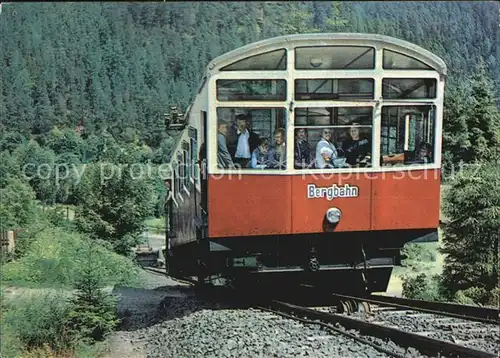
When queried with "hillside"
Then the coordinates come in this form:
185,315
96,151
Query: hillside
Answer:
119,66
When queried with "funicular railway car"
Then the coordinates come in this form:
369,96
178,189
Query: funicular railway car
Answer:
311,157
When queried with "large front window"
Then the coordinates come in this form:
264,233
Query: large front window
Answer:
333,137
251,90
408,88
334,58
251,138
331,89
269,61
407,135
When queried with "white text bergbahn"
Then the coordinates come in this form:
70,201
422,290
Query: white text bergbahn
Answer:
334,191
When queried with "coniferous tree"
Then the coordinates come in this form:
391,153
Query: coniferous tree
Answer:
115,64
456,143
92,313
484,117
471,237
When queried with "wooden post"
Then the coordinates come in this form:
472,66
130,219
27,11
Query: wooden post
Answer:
11,245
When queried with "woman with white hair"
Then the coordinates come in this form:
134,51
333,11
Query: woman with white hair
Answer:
325,150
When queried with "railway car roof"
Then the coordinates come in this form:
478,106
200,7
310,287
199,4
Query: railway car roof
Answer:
328,39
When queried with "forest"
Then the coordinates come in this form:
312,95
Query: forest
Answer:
86,85
119,67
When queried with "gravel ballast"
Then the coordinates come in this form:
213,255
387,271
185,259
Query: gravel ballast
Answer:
167,320
477,335
247,333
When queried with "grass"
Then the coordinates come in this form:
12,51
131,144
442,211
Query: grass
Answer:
426,259
33,325
156,225
69,210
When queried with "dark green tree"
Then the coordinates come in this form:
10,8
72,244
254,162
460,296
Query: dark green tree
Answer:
38,166
17,205
114,202
484,117
456,143
471,237
92,312
9,168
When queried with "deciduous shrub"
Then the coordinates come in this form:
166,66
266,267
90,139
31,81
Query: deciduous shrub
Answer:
422,287
57,258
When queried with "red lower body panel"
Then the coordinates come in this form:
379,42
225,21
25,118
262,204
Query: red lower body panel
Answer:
249,205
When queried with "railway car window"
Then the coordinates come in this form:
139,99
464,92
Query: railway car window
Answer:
333,137
193,135
397,61
269,61
251,138
408,88
334,58
343,89
407,135
187,165
182,168
176,178
251,90
176,185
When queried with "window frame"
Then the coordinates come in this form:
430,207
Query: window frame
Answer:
430,68
193,138
410,98
434,139
255,106
369,47
284,58
291,74
339,126
250,99
186,156
333,93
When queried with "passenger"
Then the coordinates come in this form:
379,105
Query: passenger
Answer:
425,153
327,156
224,160
325,143
259,155
277,154
356,149
302,155
242,141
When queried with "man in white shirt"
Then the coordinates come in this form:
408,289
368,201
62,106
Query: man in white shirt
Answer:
243,141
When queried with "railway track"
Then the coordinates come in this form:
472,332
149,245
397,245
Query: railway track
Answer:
425,345
157,271
466,312
382,324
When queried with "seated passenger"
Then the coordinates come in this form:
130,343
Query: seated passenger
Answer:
277,154
302,155
325,143
259,155
327,156
425,153
356,150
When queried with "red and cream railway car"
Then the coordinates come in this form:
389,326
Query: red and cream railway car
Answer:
314,157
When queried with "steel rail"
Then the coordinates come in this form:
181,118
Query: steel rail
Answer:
477,313
158,271
425,345
466,312
335,329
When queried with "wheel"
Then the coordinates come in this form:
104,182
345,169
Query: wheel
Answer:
342,307
364,307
